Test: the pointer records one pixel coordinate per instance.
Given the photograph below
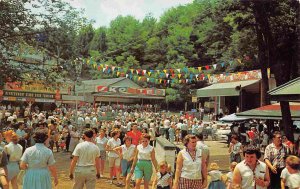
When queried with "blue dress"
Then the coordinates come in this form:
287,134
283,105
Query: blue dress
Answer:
38,158
216,182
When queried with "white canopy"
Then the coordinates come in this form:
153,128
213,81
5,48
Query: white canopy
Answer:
232,117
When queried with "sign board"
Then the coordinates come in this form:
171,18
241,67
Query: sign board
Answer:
239,76
129,90
72,97
37,87
28,94
194,99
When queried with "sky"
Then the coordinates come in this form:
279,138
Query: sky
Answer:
104,11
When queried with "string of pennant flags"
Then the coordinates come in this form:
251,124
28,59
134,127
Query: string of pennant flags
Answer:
163,76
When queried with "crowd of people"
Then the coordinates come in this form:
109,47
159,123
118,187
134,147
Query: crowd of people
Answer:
127,141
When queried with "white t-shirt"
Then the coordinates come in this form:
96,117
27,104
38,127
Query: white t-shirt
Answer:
285,174
87,153
101,143
127,152
294,180
112,143
167,124
14,151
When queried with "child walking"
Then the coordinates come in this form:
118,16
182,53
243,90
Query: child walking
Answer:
229,175
216,176
163,179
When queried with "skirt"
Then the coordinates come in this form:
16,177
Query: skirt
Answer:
12,170
216,185
37,179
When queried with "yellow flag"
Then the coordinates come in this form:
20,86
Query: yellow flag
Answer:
165,71
139,78
149,73
88,61
199,68
160,80
118,73
179,76
269,72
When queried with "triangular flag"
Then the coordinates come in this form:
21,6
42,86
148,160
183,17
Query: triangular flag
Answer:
207,67
148,79
165,71
137,72
239,61
126,75
199,68
178,70
99,68
88,61
103,69
157,71
187,80
113,68
215,66
131,71
160,80
179,76
208,76
144,72
118,73
149,73
167,75
139,78
222,64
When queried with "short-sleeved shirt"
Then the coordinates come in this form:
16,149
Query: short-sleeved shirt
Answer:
135,137
14,151
101,142
86,152
276,157
294,180
112,143
38,156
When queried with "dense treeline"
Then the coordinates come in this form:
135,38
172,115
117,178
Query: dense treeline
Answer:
261,34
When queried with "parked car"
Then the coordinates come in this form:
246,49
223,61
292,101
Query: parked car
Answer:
222,134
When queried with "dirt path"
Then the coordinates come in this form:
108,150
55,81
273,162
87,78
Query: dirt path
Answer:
218,151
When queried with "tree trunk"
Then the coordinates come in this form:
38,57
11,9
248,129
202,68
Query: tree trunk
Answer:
286,120
267,58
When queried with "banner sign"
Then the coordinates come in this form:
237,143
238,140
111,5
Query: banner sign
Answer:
129,90
36,87
29,95
239,76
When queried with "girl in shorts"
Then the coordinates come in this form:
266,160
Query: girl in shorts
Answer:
101,142
126,153
142,163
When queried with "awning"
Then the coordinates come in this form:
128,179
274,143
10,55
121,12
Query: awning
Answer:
271,112
232,117
229,89
289,91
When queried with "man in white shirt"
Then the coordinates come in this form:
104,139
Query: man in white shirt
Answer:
203,147
167,125
86,163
